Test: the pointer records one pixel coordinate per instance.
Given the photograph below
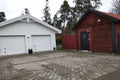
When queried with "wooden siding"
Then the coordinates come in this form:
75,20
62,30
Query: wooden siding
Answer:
117,32
102,38
69,41
100,32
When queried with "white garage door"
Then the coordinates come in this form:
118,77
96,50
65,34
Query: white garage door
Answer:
12,45
41,43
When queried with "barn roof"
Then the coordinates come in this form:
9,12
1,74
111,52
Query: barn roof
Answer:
28,17
112,17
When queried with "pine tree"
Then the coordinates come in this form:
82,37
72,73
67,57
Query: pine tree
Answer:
65,13
47,15
56,22
62,16
55,19
96,3
2,16
71,22
67,16
82,5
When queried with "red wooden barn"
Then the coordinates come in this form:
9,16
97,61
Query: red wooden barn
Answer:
96,31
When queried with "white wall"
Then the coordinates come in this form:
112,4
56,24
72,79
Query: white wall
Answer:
28,29
21,28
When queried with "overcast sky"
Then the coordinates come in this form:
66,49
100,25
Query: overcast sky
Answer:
14,8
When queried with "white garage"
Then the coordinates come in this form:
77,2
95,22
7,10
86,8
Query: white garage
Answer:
12,45
38,43
26,32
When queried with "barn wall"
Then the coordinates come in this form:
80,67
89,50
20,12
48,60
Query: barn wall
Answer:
100,32
102,38
69,41
92,20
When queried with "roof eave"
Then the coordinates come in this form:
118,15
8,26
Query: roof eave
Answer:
12,20
46,24
104,15
25,16
80,20
98,13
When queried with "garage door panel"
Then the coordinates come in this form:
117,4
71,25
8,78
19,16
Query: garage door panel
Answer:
41,43
12,45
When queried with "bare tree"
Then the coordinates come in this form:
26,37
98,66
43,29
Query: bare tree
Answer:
115,7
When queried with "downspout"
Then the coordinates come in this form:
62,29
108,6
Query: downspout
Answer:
113,38
76,39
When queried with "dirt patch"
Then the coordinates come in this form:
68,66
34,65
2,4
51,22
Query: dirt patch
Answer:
8,72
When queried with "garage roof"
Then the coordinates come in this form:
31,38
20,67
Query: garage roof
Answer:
28,17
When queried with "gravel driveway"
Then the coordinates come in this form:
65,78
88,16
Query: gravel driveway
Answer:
61,65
